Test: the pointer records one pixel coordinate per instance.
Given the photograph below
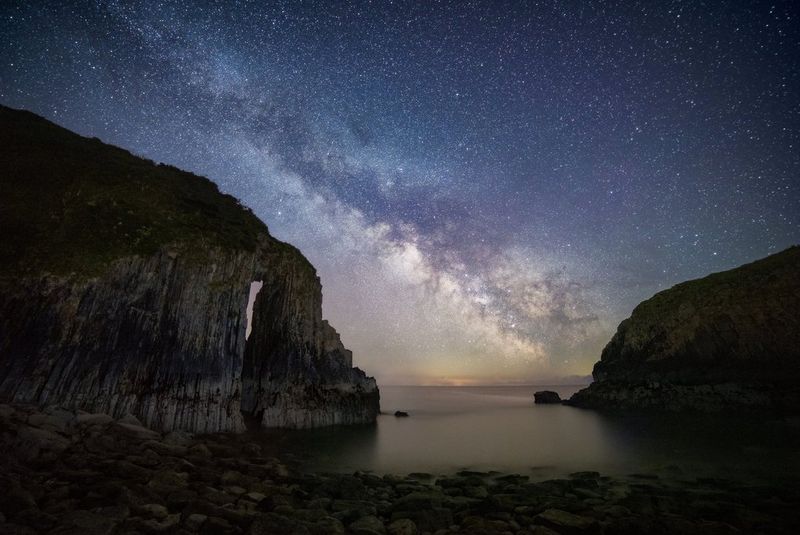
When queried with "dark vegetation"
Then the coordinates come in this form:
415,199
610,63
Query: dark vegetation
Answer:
71,204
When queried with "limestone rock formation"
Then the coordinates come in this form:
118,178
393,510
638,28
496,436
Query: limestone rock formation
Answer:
729,340
124,287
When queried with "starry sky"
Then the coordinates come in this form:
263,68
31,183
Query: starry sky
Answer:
486,188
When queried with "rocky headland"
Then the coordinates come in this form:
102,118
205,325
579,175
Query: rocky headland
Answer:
65,472
726,342
124,288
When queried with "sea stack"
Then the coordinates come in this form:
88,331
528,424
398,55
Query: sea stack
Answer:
728,341
124,288
546,397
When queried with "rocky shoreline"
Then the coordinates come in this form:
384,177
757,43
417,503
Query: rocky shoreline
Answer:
75,472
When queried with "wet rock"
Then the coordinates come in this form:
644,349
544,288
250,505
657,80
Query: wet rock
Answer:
194,521
235,491
252,449
367,525
89,419
235,478
179,499
178,438
401,414
154,510
565,522
86,522
165,482
402,526
153,525
542,530
16,498
32,443
427,520
163,448
460,481
350,510
6,411
53,418
475,524
217,497
327,526
476,492
200,450
16,529
273,524
418,500
585,475
135,432
586,493
216,526
36,519
512,479
546,397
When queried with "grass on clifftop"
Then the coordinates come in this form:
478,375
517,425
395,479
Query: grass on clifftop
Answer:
774,274
70,204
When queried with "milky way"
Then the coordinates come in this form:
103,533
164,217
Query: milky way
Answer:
486,189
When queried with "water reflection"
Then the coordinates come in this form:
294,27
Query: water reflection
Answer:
499,428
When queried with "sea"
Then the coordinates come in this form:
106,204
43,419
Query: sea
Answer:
499,428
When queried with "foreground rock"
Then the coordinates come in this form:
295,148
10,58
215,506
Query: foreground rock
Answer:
124,287
87,475
729,341
545,397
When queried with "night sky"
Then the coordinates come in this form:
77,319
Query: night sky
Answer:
485,188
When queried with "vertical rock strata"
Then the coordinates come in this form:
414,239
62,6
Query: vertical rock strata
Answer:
296,371
157,337
111,306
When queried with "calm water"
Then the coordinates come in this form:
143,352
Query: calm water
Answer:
499,428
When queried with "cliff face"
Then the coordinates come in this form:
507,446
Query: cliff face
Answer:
124,287
296,372
729,339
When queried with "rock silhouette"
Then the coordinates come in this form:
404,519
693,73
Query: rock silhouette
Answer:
728,341
124,286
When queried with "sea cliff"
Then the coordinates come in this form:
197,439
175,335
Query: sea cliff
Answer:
728,341
124,287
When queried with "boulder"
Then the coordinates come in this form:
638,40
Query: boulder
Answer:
546,397
566,523
402,526
368,525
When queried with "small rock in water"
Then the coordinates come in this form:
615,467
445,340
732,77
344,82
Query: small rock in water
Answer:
401,414
546,396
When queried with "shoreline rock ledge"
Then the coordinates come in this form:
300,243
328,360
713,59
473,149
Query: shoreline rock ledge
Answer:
124,289
726,342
